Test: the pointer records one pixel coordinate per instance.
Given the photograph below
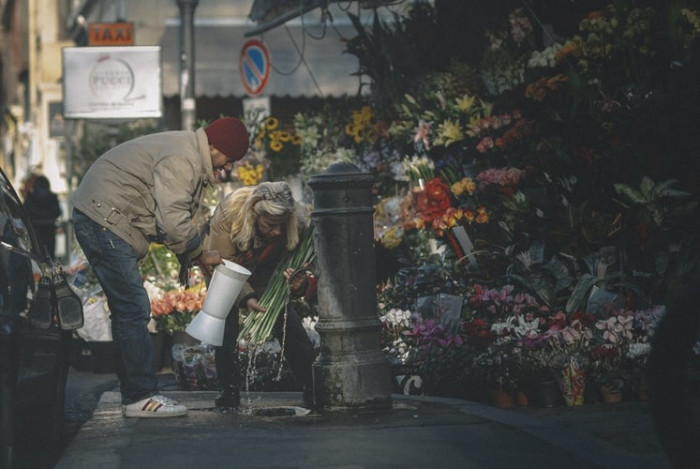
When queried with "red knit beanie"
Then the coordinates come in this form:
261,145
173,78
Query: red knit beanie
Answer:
229,136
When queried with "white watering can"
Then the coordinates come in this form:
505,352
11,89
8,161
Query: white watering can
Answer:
225,286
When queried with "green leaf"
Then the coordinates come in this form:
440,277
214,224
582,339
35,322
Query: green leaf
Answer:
585,283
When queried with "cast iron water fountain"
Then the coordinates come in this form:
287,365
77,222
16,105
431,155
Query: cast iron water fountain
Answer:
351,371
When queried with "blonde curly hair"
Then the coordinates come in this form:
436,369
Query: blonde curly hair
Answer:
244,206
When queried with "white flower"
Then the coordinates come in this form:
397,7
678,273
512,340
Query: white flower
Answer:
544,58
397,318
638,349
503,328
309,324
527,328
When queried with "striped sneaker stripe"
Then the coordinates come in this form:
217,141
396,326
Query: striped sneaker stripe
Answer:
151,406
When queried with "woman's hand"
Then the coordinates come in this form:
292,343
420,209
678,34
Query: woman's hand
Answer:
253,305
300,282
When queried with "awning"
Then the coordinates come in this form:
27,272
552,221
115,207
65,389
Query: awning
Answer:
305,60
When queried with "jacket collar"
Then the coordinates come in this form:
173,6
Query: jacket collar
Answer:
207,168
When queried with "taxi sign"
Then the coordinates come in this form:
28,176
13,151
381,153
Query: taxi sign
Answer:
254,66
111,34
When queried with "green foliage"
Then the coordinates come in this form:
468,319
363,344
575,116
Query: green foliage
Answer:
258,326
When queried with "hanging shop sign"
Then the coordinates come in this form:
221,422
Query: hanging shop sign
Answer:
111,34
112,82
254,66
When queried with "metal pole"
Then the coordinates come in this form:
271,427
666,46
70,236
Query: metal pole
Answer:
188,107
351,370
68,225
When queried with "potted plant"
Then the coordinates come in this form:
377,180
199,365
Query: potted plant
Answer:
497,372
607,372
536,376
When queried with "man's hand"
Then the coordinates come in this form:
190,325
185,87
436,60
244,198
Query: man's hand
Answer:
207,261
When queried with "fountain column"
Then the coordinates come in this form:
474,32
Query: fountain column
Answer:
351,370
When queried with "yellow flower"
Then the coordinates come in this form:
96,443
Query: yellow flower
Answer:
465,185
259,143
465,103
271,123
276,146
250,175
296,139
285,136
482,215
392,238
359,135
449,132
487,108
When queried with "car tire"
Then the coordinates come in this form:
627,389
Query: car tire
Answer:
55,410
39,442
7,434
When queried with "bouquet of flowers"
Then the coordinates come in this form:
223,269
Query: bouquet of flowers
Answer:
175,309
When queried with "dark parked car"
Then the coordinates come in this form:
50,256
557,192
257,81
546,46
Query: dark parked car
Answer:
34,355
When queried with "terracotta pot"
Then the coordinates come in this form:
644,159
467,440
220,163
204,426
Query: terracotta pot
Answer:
521,399
610,395
501,399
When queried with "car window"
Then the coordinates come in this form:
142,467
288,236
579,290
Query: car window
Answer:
17,251
13,228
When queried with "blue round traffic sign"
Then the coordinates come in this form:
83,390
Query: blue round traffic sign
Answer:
254,66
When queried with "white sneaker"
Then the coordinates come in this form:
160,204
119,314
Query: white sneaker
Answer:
155,406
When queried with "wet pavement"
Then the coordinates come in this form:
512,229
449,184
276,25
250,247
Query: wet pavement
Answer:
270,431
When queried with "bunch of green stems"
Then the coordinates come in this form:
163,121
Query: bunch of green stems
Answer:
257,326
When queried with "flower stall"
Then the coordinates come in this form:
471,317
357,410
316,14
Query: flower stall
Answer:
524,184
533,189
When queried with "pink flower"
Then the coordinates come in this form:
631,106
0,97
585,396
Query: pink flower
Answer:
423,132
485,145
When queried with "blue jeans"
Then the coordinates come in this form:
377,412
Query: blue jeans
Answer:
115,264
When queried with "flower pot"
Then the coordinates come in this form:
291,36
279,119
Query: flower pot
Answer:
572,386
544,393
407,379
501,399
521,399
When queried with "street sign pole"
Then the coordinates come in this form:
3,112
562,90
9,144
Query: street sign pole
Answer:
188,108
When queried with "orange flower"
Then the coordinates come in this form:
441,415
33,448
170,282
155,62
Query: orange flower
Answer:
470,215
483,216
434,200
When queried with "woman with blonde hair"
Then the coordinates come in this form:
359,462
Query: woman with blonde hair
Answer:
253,227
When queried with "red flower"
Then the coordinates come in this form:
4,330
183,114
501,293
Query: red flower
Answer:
433,200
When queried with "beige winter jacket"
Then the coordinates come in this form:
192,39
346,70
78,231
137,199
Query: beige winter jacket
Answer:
148,189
